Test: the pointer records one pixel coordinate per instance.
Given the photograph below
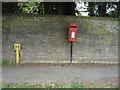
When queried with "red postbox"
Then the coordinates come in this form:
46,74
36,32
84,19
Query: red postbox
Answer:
72,32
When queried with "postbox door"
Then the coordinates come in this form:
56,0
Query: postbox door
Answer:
72,35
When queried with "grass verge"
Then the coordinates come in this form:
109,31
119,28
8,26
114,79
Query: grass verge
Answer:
51,85
7,62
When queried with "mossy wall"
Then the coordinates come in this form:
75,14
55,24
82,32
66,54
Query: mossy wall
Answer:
44,38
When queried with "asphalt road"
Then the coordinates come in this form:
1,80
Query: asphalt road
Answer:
39,74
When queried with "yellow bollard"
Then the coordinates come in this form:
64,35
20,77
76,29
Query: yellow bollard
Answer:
17,48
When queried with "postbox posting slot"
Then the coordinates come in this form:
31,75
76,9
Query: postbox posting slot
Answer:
72,26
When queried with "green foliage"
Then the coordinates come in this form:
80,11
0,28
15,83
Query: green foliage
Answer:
113,13
103,9
79,85
27,85
30,7
52,85
6,62
112,8
112,86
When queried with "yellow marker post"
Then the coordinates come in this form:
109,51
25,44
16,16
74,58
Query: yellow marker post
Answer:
17,48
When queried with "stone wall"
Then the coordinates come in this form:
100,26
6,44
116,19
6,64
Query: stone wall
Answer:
44,39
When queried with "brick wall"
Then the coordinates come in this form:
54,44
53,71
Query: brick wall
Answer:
44,38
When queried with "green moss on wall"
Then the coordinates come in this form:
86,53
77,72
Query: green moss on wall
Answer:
101,31
92,28
107,38
90,23
16,22
89,26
